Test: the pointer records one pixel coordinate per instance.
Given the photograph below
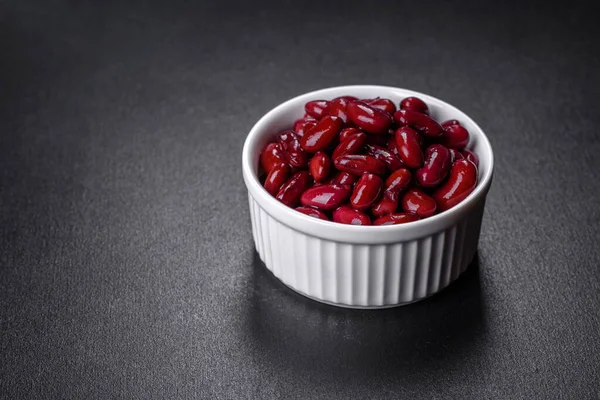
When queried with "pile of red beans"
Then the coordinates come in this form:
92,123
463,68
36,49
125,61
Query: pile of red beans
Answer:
366,162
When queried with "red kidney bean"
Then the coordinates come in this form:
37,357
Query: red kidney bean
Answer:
358,164
460,183
292,150
417,201
320,166
347,132
455,155
409,150
290,192
421,122
350,216
396,219
366,192
469,155
353,145
369,119
437,165
337,108
322,134
390,159
344,178
378,140
449,123
383,104
317,108
271,156
455,136
386,205
414,103
303,125
277,177
312,212
397,182
326,197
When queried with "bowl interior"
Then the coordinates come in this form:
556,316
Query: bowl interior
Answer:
283,116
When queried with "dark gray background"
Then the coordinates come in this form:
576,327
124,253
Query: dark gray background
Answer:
126,259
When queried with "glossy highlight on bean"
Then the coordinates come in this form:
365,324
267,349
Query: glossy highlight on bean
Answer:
369,119
396,219
276,178
312,212
415,104
358,164
271,156
419,121
292,150
418,202
291,191
320,166
409,150
437,165
461,182
317,108
322,134
348,215
353,145
366,191
326,197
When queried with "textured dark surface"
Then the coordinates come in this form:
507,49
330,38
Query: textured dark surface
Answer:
126,259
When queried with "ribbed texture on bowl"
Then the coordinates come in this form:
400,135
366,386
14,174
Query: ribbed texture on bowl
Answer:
362,275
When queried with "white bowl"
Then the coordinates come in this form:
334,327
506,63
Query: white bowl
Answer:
363,266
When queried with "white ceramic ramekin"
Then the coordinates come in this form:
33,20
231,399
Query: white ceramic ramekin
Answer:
363,266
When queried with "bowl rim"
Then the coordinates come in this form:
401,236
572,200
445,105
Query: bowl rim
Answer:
354,233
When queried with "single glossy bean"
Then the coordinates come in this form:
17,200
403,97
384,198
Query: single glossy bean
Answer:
436,167
414,103
386,205
369,119
460,183
455,155
353,145
397,182
418,202
294,154
277,177
391,160
322,134
320,166
290,192
344,178
350,216
455,137
326,197
469,155
421,122
317,108
271,156
396,219
366,192
409,150
312,212
383,104
449,123
358,164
